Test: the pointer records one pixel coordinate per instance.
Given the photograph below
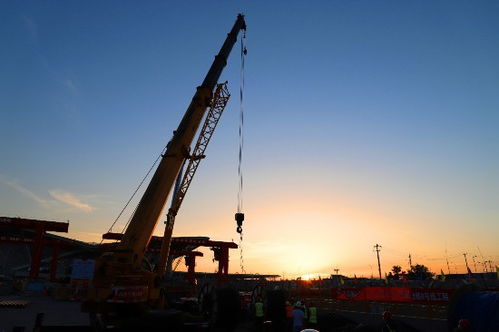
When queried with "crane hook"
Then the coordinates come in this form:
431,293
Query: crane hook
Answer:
239,219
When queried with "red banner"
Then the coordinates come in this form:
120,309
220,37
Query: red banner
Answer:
393,294
436,296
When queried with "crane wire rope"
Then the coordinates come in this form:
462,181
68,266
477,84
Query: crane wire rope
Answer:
241,145
133,195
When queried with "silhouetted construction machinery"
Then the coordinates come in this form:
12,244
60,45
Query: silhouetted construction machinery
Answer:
125,284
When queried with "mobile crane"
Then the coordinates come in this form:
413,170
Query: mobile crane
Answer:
123,281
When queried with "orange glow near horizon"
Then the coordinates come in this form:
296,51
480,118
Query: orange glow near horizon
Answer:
321,230
307,277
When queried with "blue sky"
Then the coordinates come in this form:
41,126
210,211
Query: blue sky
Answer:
371,121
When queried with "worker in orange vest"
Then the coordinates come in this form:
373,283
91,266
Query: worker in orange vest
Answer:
289,316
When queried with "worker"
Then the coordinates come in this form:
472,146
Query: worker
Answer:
289,316
259,313
312,316
298,317
305,310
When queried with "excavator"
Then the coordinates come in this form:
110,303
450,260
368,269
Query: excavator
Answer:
124,283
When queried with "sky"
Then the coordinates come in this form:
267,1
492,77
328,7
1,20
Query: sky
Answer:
366,122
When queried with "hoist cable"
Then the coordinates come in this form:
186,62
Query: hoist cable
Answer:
241,127
241,145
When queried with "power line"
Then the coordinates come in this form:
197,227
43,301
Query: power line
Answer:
447,260
474,262
484,264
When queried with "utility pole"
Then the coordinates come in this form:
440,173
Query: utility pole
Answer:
410,261
447,260
483,259
474,262
484,264
377,247
490,264
466,261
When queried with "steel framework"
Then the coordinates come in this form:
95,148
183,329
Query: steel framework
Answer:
217,105
219,101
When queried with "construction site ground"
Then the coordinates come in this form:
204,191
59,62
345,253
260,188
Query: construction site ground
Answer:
21,311
56,312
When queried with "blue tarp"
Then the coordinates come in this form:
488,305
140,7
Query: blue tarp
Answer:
481,309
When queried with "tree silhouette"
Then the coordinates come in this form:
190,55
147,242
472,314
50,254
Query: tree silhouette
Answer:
396,269
419,272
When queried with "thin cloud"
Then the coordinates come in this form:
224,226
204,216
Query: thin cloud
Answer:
60,196
28,193
70,199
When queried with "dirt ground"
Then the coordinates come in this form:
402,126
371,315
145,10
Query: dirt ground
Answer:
56,312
